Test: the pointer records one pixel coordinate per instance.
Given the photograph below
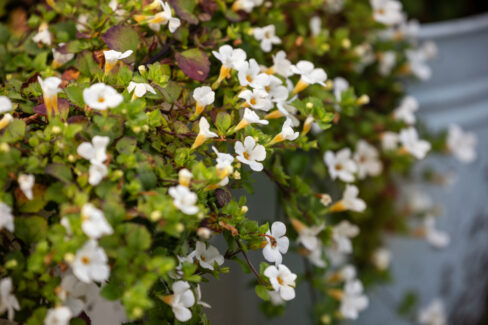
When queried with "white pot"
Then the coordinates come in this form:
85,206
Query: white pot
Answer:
457,93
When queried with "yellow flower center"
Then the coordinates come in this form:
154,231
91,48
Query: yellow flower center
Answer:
85,260
101,99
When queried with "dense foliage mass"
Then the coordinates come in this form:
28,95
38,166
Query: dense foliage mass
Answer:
126,125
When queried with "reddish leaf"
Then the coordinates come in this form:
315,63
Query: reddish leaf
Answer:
121,38
194,63
63,107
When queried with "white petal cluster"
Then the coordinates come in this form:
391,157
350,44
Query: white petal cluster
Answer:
434,236
6,217
282,280
163,18
184,199
207,256
309,74
433,314
8,301
99,96
26,184
95,152
406,111
60,58
281,65
351,201
387,12
387,62
382,258
257,99
342,234
58,316
341,165
249,74
276,243
246,5
204,95
140,88
250,153
353,300
461,144
43,35
5,104
93,222
267,36
412,144
50,86
181,300
229,57
91,263
113,56
73,293
340,85
367,160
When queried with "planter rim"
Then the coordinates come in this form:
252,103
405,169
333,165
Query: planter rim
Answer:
454,27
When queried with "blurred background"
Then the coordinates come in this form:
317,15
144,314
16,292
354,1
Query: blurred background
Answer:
457,93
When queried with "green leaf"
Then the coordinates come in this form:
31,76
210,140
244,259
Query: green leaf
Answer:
113,290
126,145
262,292
75,95
121,38
137,237
30,229
194,63
15,131
60,171
184,9
223,121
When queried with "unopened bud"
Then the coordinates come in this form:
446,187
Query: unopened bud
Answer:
142,69
363,100
71,158
179,227
56,129
309,105
204,233
155,215
136,129
69,257
346,43
4,147
244,209
236,175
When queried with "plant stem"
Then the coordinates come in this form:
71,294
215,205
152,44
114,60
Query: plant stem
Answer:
249,262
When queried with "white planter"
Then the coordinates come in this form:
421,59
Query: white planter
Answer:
457,93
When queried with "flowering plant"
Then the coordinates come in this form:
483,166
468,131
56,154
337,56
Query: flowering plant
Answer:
126,126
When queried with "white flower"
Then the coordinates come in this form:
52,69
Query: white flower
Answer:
140,89
184,199
5,121
60,58
6,217
462,144
204,133
350,201
367,161
341,235
340,85
309,75
50,89
281,65
8,302
112,58
93,222
341,165
100,96
43,35
382,258
406,111
250,117
387,62
230,58
276,90
387,12
315,25
58,316
282,280
353,300
203,96
5,104
164,17
26,183
412,144
435,237
267,36
307,236
287,133
389,140
348,273
277,243
250,153
207,257
184,177
417,200
82,22
249,74
72,292
417,61
433,314
90,263
275,298
95,152
246,5
257,99
224,163
181,300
